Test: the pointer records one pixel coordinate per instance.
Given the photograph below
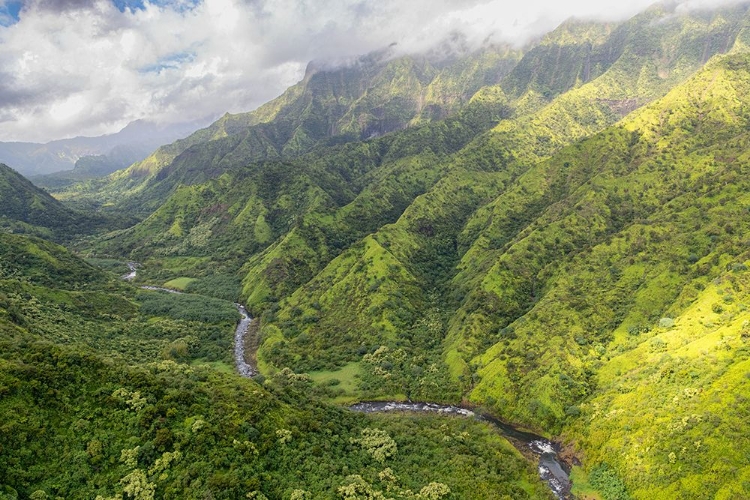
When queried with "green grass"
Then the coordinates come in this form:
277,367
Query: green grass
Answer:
345,379
178,283
161,269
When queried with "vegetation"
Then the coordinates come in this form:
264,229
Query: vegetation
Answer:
134,421
564,244
166,430
26,209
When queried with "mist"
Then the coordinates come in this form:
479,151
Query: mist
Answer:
88,67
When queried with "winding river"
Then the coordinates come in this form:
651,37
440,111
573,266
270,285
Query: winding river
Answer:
552,469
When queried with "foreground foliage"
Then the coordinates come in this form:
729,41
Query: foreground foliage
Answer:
566,248
166,430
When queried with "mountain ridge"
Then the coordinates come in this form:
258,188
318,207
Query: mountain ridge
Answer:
361,100
565,248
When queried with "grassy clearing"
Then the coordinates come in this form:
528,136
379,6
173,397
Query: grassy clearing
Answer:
346,379
179,283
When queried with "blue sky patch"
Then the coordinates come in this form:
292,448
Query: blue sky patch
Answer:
171,61
9,12
133,5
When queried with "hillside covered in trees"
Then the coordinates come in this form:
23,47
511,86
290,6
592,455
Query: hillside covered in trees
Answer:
554,234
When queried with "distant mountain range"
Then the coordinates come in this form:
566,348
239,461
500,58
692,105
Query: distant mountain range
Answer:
557,234
114,151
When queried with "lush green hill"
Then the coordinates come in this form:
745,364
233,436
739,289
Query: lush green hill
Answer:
24,208
40,262
439,233
27,208
567,248
641,225
130,417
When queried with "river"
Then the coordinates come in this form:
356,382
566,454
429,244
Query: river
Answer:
240,334
552,470
131,275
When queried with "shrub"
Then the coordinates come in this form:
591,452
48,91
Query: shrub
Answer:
606,480
666,322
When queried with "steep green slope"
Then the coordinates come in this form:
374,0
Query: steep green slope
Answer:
602,187
670,410
24,208
366,98
430,238
40,262
639,228
302,212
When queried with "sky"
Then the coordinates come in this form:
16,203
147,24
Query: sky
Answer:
88,67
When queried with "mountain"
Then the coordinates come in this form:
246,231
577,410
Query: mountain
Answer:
134,142
564,245
293,217
94,166
621,280
364,98
26,208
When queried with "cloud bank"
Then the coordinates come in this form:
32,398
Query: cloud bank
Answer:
87,67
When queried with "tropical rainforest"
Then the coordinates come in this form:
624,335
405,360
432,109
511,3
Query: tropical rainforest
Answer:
555,234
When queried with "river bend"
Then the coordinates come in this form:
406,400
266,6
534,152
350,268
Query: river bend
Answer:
552,470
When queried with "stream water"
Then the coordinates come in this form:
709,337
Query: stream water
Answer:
552,469
131,275
243,367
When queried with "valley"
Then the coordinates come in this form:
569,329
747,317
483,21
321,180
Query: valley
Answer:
552,470
309,299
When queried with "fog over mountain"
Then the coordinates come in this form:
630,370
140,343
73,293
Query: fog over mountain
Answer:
118,150
90,67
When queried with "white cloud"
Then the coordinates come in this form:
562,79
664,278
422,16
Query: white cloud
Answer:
84,67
